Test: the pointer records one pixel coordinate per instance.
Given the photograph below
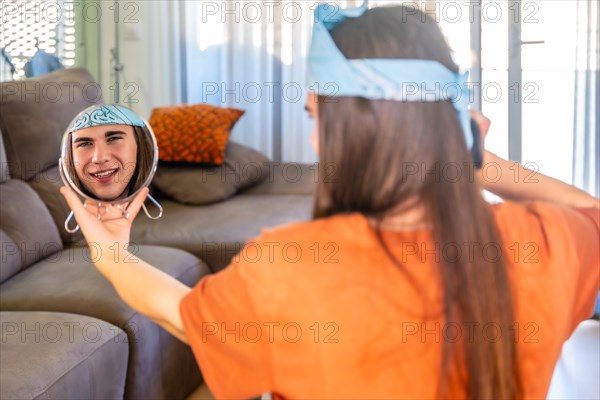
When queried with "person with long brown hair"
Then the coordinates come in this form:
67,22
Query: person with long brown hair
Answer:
407,283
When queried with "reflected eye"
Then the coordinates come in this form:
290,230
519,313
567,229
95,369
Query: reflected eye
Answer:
83,144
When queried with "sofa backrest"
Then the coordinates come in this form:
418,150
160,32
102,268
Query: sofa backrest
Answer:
34,114
27,231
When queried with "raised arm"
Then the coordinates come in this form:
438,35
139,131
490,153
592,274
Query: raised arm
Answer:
144,288
513,181
148,290
510,180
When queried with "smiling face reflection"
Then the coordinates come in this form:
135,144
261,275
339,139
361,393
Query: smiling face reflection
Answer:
105,159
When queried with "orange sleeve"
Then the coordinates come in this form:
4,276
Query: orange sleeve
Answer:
586,222
573,240
225,323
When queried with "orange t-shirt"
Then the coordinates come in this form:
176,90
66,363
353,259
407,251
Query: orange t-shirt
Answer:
318,310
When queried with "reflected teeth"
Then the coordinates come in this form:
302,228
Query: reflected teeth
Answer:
105,173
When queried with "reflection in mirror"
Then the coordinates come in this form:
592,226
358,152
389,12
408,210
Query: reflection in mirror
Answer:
108,154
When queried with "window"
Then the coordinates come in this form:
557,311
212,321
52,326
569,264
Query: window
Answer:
32,25
528,63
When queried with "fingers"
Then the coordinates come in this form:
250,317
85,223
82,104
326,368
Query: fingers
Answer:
104,211
482,121
134,207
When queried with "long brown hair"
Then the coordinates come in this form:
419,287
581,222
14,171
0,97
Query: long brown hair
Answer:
372,143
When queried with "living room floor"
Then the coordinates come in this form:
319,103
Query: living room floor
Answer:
575,377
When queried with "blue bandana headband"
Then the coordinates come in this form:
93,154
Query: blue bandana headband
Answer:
106,115
380,79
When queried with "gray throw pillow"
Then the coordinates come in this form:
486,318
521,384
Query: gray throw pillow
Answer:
197,184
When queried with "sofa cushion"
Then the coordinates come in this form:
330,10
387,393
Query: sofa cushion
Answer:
160,366
47,186
195,184
193,133
10,262
217,232
34,114
61,356
27,225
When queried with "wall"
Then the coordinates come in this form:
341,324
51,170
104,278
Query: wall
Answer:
148,51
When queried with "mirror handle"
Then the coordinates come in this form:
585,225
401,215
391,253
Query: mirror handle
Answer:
160,209
67,224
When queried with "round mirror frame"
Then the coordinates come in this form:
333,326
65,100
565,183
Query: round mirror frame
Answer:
67,180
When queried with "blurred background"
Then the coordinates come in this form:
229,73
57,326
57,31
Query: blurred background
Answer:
534,66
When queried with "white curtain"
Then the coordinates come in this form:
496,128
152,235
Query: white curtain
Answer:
251,56
586,135
149,52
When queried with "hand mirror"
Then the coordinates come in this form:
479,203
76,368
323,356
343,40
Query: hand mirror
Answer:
108,154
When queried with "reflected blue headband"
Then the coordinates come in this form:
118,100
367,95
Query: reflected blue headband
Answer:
106,115
332,74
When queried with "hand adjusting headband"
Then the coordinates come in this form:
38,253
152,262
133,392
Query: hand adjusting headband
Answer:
380,79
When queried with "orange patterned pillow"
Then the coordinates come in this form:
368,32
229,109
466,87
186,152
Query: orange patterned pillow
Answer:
195,133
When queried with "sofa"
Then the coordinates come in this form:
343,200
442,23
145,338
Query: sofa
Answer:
64,331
